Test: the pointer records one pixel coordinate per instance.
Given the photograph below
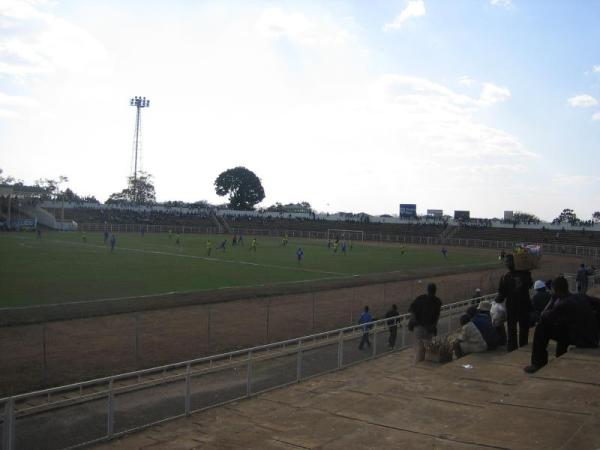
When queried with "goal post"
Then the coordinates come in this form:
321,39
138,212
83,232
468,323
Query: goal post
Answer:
350,235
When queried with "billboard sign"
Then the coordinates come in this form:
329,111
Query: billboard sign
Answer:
462,215
435,212
508,215
408,210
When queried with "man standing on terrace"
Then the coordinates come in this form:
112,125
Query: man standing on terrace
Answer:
514,288
424,316
569,319
582,279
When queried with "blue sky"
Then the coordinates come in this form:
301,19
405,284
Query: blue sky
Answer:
485,105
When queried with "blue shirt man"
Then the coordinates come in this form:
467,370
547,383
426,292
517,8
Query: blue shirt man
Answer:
365,318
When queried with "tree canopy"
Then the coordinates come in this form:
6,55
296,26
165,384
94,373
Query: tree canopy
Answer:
525,217
139,191
242,186
567,215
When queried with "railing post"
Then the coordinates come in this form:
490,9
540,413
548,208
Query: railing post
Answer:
249,375
136,343
45,349
341,350
9,425
404,325
208,328
314,310
188,390
110,413
299,363
374,340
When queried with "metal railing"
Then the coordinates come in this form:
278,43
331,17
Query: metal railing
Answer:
93,411
593,280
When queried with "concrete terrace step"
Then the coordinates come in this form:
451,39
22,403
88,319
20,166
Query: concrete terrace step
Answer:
480,401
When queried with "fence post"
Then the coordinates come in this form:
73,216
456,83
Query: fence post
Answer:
136,343
208,327
188,390
268,317
9,425
404,325
249,375
314,310
110,413
341,350
45,356
299,363
374,341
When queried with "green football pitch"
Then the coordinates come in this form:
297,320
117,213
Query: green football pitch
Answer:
61,267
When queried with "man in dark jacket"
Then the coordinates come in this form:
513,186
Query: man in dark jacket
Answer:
581,279
392,323
514,288
539,301
424,315
570,319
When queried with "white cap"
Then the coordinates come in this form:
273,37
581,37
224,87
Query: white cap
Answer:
539,284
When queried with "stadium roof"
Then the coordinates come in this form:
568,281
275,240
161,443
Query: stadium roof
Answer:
21,191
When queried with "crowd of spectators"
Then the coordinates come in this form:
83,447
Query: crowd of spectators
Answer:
570,319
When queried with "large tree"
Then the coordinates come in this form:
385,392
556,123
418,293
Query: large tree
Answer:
242,186
139,191
525,217
596,216
567,216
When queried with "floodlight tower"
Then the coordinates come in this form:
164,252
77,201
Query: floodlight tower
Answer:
139,103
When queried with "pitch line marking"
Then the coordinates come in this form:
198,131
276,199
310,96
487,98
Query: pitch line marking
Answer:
204,258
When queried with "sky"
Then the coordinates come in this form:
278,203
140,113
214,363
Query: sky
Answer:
480,105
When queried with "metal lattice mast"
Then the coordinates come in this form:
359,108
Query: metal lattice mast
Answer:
139,103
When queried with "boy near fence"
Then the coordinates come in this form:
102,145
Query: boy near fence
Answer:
364,319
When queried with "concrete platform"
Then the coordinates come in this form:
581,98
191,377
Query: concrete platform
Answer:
480,401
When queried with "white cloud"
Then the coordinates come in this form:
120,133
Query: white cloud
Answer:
442,120
36,42
414,8
574,180
502,3
274,23
490,94
466,80
582,101
596,116
17,101
596,69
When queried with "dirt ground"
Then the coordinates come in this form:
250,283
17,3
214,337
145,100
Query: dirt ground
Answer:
63,351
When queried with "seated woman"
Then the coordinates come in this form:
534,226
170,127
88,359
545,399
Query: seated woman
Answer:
469,339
